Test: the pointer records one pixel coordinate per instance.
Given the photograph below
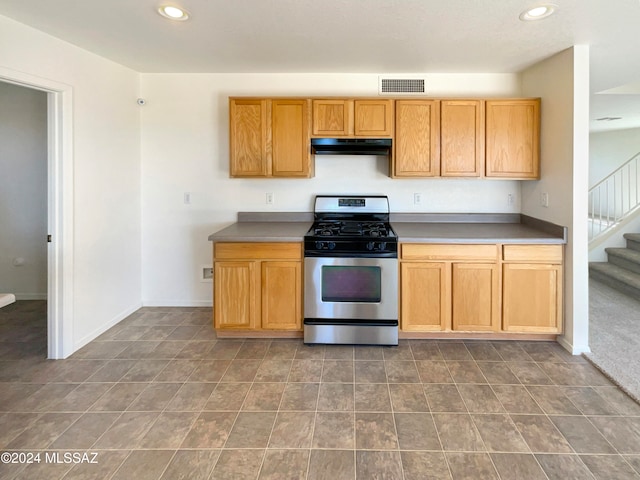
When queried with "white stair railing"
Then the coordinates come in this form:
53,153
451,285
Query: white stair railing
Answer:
614,198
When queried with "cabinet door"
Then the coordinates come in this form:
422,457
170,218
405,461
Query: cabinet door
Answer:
332,118
425,296
461,138
281,295
248,137
291,155
475,297
373,118
235,299
532,298
513,138
416,143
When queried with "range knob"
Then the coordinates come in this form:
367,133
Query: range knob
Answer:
320,245
371,245
331,245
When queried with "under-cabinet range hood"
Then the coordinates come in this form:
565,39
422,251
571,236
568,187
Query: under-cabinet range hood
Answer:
351,146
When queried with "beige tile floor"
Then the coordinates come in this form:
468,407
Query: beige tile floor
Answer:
159,397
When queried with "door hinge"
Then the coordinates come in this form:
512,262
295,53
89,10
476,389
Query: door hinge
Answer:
48,238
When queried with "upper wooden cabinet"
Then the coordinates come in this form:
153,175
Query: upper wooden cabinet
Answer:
461,138
352,118
439,138
416,143
373,118
332,117
248,137
269,137
291,153
513,138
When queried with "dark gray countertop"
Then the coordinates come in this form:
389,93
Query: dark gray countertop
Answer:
411,228
262,232
415,232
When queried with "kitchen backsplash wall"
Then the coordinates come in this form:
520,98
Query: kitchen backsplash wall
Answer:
187,193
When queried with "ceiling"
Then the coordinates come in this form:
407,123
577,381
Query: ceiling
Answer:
357,36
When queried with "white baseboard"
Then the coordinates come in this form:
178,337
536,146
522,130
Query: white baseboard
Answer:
96,333
6,299
31,296
573,349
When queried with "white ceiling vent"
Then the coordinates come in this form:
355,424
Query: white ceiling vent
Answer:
403,85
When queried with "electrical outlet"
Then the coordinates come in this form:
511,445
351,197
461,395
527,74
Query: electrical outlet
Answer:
206,273
510,199
544,199
417,199
269,198
187,198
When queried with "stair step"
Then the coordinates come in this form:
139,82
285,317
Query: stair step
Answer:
633,240
621,279
625,258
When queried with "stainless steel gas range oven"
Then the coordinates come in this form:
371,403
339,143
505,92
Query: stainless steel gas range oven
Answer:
351,272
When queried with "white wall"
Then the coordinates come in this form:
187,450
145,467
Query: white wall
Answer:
23,192
608,150
106,172
564,166
185,148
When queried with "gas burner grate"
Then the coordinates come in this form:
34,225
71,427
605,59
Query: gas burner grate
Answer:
326,229
375,230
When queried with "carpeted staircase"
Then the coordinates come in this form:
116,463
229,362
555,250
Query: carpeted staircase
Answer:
622,271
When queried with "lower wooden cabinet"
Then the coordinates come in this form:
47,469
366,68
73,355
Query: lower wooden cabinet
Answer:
424,296
281,295
257,286
449,287
481,288
532,288
443,288
235,297
475,297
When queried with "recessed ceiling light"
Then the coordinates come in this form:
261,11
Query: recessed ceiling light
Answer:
538,12
173,13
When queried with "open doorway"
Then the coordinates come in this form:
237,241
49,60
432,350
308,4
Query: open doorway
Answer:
23,216
59,209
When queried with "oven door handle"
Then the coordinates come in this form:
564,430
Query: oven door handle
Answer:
354,323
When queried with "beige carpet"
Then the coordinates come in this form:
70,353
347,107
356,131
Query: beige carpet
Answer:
614,336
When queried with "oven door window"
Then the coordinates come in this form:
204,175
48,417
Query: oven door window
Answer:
351,284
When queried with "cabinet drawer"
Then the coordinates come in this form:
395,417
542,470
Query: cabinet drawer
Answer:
257,250
532,253
459,253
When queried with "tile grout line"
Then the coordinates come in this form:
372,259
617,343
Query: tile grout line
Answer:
275,418
543,413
